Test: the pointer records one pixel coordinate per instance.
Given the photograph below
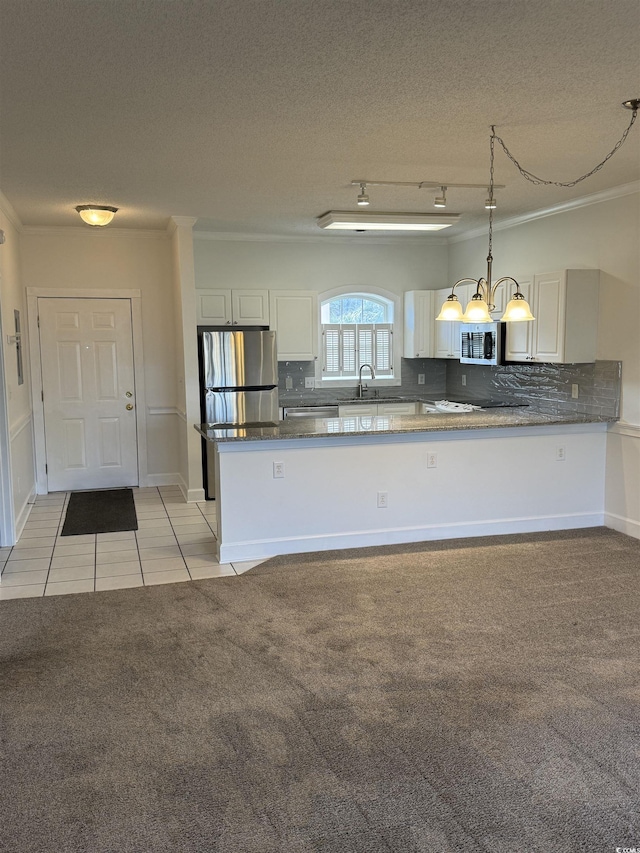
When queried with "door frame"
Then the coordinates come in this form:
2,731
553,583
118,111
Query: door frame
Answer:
7,516
135,300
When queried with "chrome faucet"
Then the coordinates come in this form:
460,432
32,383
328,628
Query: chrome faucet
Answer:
362,388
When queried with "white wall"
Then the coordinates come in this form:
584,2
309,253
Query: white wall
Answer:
604,236
531,490
88,259
18,465
321,265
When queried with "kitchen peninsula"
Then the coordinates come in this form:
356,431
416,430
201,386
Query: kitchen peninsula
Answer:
321,484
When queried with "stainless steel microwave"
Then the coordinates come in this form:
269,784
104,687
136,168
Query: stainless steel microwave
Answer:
482,343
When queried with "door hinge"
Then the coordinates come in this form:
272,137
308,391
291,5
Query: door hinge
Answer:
38,321
42,396
46,468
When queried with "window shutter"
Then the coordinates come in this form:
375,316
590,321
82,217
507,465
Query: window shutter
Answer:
331,347
348,346
348,334
383,349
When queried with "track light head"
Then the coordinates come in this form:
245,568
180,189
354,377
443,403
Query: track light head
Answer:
363,198
441,200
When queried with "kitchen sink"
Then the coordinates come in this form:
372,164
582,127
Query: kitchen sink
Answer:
379,400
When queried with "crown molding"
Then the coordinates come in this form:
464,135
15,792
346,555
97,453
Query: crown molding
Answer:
563,207
7,208
176,222
240,237
93,232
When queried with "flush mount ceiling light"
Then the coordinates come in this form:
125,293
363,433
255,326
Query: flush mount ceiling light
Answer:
363,198
482,302
96,214
355,220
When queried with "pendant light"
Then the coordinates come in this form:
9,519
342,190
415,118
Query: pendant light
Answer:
482,302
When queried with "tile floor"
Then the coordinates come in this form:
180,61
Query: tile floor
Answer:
175,541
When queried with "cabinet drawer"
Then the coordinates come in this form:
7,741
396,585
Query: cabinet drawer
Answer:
358,410
396,408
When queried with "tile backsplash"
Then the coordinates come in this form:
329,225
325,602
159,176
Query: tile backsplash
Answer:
294,373
546,387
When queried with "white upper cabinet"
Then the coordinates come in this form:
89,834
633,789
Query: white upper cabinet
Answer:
418,324
232,307
446,335
294,316
565,331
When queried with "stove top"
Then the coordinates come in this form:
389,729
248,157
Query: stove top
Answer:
493,404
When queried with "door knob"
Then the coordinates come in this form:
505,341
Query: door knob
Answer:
129,406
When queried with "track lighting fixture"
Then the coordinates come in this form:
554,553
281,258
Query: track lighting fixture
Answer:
363,198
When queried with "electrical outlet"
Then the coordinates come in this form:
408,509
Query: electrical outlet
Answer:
464,378
383,500
288,383
421,379
575,391
278,470
309,382
560,453
432,460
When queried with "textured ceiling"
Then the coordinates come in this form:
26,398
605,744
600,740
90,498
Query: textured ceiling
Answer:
255,115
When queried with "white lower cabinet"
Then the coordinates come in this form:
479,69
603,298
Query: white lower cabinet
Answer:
364,410
565,329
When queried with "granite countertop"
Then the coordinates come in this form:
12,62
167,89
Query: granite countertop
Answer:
394,424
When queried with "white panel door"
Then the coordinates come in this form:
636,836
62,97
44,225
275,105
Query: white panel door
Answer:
89,395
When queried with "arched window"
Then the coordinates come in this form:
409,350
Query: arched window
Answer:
357,329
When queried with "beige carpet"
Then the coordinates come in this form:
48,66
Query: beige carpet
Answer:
474,695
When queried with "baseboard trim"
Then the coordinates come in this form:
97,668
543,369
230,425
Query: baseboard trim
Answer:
23,515
622,524
265,548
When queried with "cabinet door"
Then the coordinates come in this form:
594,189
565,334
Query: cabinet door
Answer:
443,333
447,334
520,335
358,410
548,327
294,316
418,322
501,297
213,307
396,408
250,307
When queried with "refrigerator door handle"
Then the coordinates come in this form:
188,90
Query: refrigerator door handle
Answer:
231,388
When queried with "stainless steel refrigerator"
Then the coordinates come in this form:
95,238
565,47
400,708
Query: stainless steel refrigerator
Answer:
238,381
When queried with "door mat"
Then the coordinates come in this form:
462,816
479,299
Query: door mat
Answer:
106,511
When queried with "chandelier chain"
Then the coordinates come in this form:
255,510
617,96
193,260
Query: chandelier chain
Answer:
491,143
534,179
